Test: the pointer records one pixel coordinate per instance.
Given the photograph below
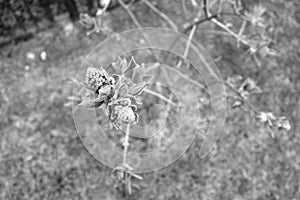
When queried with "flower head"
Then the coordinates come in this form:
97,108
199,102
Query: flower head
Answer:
122,112
96,79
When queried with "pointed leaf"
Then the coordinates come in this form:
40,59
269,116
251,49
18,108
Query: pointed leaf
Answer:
123,91
142,69
137,89
134,108
123,65
127,166
104,72
68,104
147,78
75,81
132,64
91,103
137,76
85,85
117,65
135,176
136,100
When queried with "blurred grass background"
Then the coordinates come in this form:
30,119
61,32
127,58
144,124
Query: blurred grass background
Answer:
41,157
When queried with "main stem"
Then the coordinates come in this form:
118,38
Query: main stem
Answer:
126,144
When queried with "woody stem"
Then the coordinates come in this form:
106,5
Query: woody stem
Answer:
126,143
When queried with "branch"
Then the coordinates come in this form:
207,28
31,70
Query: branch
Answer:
186,51
161,14
160,96
138,25
223,26
197,22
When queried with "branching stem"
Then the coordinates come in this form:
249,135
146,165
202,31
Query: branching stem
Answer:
161,14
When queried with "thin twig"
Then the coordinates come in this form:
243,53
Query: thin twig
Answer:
161,14
160,96
186,51
242,98
223,26
185,77
138,25
184,9
197,22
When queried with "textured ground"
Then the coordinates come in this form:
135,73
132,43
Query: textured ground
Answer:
41,157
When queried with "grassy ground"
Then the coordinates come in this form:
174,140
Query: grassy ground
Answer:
42,157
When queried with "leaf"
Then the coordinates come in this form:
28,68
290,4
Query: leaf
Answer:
120,65
75,81
137,89
91,103
86,20
136,117
105,91
135,176
136,100
127,166
74,98
104,3
132,64
85,85
123,91
137,76
237,103
104,72
68,104
142,69
116,65
147,78
134,108
123,65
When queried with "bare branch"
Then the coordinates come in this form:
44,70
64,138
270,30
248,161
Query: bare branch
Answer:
161,14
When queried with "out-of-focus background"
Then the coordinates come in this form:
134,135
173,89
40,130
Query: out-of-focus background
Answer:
41,157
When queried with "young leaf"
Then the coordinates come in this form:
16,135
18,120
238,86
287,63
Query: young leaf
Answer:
75,81
147,78
142,69
137,89
132,64
86,20
117,65
91,103
137,76
136,100
127,166
134,108
85,85
123,65
123,91
135,176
